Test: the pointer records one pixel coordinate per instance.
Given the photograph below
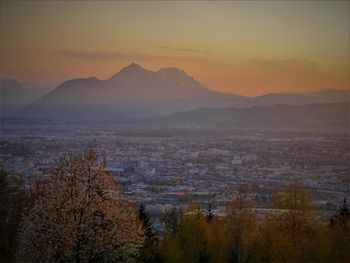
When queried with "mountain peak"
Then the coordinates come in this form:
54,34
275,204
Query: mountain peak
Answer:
131,69
133,65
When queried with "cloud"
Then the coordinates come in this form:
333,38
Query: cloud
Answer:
94,55
189,50
286,64
110,56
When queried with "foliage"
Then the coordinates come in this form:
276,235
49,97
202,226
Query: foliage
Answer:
292,232
188,240
241,229
80,214
172,221
12,203
149,251
294,226
339,235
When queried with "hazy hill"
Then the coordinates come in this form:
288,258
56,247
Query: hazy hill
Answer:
312,116
14,96
325,96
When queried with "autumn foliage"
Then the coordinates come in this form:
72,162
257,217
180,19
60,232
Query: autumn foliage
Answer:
291,232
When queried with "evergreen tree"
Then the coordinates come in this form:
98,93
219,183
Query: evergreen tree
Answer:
339,234
209,213
149,251
342,217
172,220
12,203
188,244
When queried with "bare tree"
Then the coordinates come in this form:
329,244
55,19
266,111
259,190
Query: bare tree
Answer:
80,214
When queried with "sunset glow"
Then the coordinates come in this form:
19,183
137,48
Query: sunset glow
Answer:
248,48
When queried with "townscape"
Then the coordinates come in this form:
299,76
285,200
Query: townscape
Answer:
164,168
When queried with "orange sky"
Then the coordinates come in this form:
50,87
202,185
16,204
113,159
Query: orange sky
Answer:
249,48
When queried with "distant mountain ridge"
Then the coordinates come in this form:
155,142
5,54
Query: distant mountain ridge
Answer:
135,92
324,96
14,96
311,116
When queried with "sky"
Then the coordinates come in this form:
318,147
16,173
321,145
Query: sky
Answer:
243,47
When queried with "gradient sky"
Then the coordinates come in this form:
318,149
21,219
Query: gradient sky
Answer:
248,48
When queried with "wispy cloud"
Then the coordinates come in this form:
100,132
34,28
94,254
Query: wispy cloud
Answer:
94,55
108,56
286,64
188,50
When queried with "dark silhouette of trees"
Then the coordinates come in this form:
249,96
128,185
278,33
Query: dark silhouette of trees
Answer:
341,217
149,251
188,243
339,235
209,213
13,200
172,220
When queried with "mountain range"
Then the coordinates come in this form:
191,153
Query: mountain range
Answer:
135,92
329,116
132,92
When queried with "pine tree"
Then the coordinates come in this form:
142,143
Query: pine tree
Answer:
342,216
13,200
172,220
149,251
209,213
339,234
